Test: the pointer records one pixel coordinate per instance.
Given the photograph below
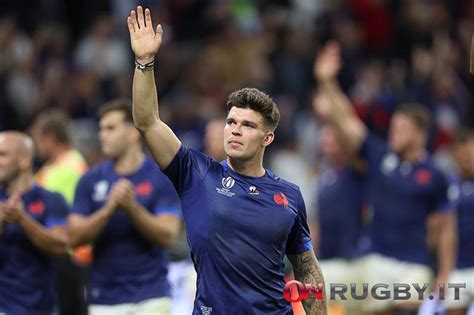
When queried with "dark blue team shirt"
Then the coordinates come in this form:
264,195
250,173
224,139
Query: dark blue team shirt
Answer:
127,267
340,199
462,194
239,229
402,195
26,273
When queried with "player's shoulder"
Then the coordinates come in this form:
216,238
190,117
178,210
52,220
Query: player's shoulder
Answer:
285,185
99,169
430,164
47,195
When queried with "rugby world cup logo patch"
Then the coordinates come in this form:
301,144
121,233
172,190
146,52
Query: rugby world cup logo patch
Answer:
227,184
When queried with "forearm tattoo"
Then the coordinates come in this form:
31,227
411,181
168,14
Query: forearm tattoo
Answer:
306,269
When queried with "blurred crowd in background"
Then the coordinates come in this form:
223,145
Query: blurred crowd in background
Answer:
75,55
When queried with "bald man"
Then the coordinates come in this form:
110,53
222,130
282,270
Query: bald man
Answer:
31,220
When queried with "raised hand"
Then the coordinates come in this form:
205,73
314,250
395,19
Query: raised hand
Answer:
145,41
328,62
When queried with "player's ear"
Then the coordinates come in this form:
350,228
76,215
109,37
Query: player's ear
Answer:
268,138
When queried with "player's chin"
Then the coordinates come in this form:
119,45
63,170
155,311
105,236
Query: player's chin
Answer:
234,153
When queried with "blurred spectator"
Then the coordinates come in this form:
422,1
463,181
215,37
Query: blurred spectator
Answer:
101,52
31,227
214,139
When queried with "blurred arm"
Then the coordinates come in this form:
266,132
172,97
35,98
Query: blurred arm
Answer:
340,113
447,245
162,229
85,229
52,240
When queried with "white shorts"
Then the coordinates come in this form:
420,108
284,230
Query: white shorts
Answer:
466,296
182,279
340,271
374,269
158,306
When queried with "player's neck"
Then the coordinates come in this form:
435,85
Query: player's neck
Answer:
252,168
59,151
129,162
338,161
414,155
20,184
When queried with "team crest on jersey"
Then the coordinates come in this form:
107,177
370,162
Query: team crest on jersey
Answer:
254,191
423,176
389,163
280,199
227,184
144,189
100,190
36,207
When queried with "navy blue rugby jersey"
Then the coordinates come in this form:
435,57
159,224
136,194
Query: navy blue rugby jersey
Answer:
127,267
461,193
26,272
239,230
402,195
340,196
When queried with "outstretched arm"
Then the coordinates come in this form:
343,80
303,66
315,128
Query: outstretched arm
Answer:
339,111
306,269
146,42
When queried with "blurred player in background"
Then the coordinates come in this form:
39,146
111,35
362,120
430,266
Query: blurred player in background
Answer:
129,210
31,226
462,193
240,218
62,168
63,164
340,196
404,190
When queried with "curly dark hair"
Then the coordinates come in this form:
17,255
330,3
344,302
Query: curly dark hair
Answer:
258,101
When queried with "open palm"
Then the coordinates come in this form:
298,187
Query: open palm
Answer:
328,62
144,39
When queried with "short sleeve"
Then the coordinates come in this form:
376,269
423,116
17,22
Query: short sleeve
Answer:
299,239
167,200
57,211
373,149
186,165
83,197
